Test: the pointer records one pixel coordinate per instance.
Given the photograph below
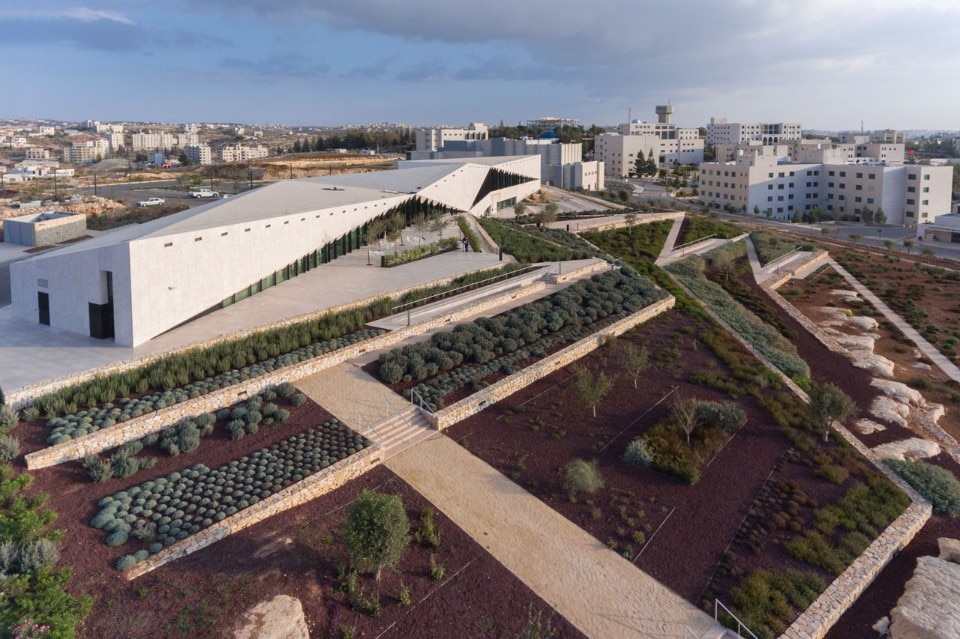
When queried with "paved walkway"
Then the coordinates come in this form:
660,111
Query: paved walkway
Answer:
938,358
784,264
596,590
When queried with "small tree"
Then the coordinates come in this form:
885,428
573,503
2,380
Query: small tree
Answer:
421,223
908,244
631,220
880,217
398,222
437,224
828,404
889,245
548,215
722,262
866,215
685,414
592,387
635,360
519,209
378,531
854,237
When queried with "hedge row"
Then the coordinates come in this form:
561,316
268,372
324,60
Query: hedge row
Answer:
418,252
525,247
166,510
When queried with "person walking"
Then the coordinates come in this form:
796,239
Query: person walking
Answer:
466,244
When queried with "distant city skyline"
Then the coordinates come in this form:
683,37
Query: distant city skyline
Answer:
828,64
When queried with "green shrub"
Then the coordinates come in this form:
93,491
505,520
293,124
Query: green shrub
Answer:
638,453
378,531
117,539
286,389
768,601
126,562
437,571
99,471
39,554
9,448
937,485
8,418
582,476
725,416
298,400
403,595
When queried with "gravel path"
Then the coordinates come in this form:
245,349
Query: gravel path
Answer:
599,592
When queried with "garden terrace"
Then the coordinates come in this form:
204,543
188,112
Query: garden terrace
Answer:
171,508
420,252
525,247
767,341
699,227
772,246
472,353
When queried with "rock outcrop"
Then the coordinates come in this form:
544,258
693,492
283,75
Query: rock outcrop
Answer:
912,449
279,618
930,606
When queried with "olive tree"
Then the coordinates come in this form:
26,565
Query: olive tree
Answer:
635,360
828,404
378,531
592,387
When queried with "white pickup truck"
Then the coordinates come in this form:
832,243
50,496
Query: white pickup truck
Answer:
152,201
202,193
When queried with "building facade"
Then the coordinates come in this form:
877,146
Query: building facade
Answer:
242,152
433,139
720,131
141,280
200,154
669,144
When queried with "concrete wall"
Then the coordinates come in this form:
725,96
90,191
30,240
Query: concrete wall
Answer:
472,405
315,485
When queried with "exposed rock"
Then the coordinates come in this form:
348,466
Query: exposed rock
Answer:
279,618
857,342
913,449
865,323
899,392
882,626
848,297
873,363
869,427
890,410
930,605
949,549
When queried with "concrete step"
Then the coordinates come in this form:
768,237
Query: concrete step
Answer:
403,430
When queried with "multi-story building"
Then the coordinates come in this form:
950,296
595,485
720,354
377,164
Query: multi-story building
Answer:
242,152
549,123
200,154
766,185
669,144
37,153
116,141
434,139
86,151
147,141
719,131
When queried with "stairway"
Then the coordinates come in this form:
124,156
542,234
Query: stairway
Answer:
404,429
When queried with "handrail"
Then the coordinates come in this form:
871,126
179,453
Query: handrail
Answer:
717,604
785,255
688,631
420,401
462,289
363,422
702,239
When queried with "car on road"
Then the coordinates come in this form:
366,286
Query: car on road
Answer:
203,193
151,201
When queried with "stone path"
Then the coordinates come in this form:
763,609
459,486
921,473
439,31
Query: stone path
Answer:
599,592
948,367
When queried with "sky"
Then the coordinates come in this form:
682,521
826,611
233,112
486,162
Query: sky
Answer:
828,64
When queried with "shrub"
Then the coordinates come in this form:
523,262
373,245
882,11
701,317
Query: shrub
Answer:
38,554
126,562
286,389
403,595
8,418
99,471
298,400
767,601
937,485
9,448
117,539
437,571
31,414
638,453
727,416
377,531
582,476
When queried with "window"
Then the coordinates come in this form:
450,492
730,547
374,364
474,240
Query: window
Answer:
926,177
858,199
168,245
872,176
925,202
911,189
860,176
912,176
769,187
790,197
780,187
224,233
869,200
843,174
911,202
830,185
780,174
769,198
926,189
779,198
859,187
830,173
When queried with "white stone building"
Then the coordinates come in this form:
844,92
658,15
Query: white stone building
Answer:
139,281
148,141
670,144
242,152
720,131
200,154
433,139
761,184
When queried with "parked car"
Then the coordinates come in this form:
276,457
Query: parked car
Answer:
153,201
202,193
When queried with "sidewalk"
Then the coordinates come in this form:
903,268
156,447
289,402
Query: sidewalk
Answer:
596,590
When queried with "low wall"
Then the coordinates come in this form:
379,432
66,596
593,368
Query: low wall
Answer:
642,218
817,620
118,434
459,411
559,278
292,496
800,270
23,396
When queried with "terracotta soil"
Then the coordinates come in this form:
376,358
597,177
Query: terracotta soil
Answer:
296,553
532,436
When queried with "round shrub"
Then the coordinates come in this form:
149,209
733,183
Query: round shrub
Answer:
116,539
298,400
638,453
126,562
938,485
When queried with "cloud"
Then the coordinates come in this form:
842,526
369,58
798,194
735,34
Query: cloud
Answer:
287,66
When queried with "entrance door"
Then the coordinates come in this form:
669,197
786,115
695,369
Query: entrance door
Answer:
43,303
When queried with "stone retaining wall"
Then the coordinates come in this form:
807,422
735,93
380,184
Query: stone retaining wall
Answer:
801,270
113,436
559,278
299,493
817,620
642,218
23,396
459,411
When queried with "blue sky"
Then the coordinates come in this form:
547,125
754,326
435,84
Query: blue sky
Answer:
826,63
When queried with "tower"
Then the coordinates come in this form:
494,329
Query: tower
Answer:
663,113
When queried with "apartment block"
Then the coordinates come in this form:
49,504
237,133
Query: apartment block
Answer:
200,154
242,152
433,139
670,144
720,131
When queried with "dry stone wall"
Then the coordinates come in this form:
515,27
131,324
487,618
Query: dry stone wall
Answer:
290,497
504,388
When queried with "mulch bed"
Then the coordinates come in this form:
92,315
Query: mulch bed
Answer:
296,553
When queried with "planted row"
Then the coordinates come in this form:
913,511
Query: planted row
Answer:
88,421
163,511
612,293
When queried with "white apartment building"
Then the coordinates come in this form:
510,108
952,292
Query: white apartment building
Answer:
108,128
434,139
48,130
146,141
242,152
37,153
764,185
116,141
86,151
200,154
670,144
719,131
550,122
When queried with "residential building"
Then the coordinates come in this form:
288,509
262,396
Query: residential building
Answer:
116,141
141,141
87,150
549,123
670,144
242,152
142,280
37,153
762,184
433,139
720,131
200,154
